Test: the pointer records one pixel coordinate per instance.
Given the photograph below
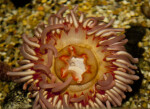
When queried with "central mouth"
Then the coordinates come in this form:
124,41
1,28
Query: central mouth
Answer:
74,61
77,67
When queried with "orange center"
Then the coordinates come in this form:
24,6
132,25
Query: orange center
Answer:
73,61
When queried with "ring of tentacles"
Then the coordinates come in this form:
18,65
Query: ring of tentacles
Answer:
76,62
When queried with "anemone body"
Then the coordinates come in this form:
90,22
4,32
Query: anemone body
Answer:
76,62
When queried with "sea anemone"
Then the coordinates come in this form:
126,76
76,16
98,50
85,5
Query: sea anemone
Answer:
76,62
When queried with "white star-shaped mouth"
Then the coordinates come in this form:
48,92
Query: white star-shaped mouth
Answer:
78,67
